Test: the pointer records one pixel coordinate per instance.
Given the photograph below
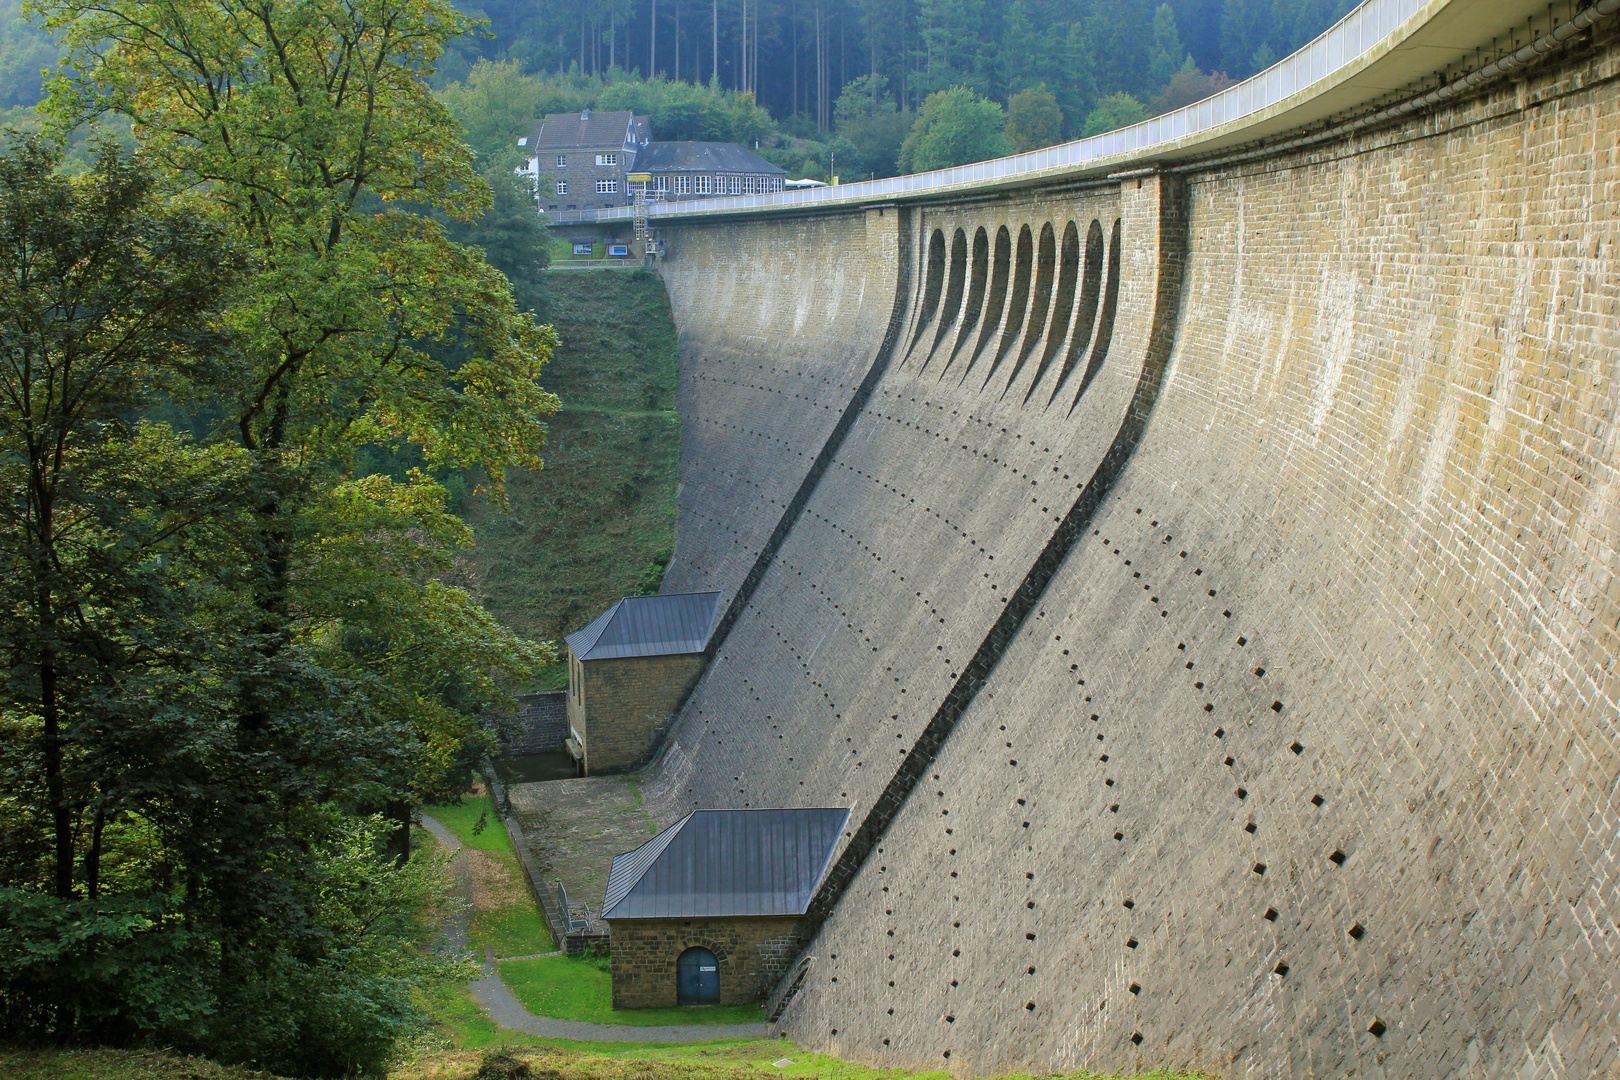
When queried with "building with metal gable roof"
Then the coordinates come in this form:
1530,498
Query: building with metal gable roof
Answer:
705,912
627,673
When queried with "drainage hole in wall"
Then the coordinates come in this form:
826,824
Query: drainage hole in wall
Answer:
1028,904
1129,904
1208,707
1114,809
1259,671
1337,858
1317,800
1136,1039
1119,836
1270,915
1276,706
1130,943
1260,868
1377,1029
1281,969
1135,988
1029,937
1356,932
1250,828
1110,783
1029,971
1241,793
1212,592
1182,645
1296,747
1220,733
1030,1005
1228,761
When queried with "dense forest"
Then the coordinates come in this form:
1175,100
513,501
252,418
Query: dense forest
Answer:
1104,62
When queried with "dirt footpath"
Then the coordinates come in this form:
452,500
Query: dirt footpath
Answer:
575,827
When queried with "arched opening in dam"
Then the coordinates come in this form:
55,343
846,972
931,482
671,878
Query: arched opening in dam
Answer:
1193,565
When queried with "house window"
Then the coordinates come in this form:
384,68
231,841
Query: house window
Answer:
661,184
562,187
607,159
776,184
736,185
700,185
562,161
683,184
606,187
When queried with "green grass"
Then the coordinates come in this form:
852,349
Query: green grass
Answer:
598,522
567,988
515,929
462,819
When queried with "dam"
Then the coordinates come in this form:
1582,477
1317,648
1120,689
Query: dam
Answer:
1190,553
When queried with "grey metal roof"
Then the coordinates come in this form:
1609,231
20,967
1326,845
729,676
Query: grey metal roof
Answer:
715,863
585,131
703,157
649,626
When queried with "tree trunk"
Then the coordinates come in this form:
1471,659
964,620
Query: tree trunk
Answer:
398,811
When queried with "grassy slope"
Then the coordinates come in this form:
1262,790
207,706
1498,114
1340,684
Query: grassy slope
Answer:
578,989
429,1059
599,520
514,929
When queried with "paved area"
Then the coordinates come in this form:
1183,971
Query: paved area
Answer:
504,1008
575,827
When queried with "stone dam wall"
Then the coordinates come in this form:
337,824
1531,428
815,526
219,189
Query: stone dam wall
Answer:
1203,588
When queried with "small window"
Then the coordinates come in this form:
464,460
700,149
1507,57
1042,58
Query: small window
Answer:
683,185
606,187
562,161
736,185
661,184
562,187
607,159
700,185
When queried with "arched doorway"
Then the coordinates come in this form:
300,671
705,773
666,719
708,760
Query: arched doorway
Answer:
697,977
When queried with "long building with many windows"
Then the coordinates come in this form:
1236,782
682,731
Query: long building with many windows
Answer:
584,161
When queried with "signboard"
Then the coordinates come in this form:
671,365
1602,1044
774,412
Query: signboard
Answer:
618,248
639,178
582,247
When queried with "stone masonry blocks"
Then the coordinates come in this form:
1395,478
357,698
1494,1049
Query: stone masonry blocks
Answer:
1304,762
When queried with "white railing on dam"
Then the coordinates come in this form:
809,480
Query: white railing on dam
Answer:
1434,34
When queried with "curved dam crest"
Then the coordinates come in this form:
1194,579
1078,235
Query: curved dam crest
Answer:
1201,586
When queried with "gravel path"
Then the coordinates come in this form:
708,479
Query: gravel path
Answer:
507,1011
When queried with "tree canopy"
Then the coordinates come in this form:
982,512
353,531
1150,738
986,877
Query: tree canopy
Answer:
954,127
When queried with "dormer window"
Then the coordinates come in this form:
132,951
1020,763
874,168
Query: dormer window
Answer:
607,159
523,141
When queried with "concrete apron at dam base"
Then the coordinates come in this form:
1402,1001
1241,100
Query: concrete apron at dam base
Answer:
1200,584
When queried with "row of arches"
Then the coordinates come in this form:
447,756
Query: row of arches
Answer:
1000,308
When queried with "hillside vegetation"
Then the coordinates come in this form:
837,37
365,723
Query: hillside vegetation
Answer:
598,522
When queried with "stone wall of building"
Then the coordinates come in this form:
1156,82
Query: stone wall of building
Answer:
1258,709
628,703
752,953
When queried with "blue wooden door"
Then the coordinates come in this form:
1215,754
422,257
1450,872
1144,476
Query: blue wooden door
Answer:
697,977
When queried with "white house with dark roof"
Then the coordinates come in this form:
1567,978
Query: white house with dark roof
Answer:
706,912
628,672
